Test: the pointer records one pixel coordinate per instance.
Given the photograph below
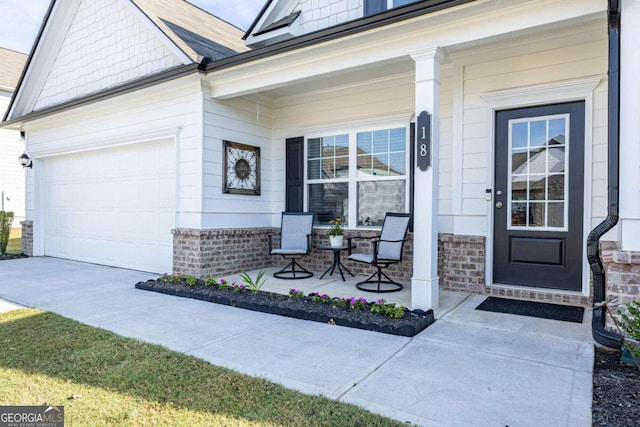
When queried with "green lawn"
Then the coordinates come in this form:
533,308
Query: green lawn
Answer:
103,379
15,241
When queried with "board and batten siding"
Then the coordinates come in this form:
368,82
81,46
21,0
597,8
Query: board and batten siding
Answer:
11,173
171,110
247,120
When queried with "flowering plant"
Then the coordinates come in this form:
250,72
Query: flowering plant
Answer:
337,227
296,293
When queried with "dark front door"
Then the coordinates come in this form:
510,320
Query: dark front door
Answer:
538,199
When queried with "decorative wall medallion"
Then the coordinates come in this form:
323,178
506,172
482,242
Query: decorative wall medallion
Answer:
241,169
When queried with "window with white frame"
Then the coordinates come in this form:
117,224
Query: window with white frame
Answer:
372,7
358,175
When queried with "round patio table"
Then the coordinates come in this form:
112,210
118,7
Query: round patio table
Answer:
336,260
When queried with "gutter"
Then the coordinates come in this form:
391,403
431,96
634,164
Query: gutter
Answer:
600,334
164,76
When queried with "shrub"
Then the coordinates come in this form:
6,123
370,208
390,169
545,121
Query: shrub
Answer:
6,219
631,325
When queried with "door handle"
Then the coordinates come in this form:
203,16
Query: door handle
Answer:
499,205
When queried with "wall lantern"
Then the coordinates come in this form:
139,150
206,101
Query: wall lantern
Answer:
25,161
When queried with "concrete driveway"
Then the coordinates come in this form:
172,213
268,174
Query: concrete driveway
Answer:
470,368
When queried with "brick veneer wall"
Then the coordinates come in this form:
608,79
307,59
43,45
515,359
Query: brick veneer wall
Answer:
461,263
622,269
27,237
319,260
219,252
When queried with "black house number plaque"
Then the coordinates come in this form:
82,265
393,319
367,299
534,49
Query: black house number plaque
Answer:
423,141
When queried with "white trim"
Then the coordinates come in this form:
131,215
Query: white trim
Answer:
370,123
562,91
351,129
101,144
457,140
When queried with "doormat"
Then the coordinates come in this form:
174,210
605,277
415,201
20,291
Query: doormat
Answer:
542,310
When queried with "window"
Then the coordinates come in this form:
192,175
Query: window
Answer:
371,7
358,176
538,186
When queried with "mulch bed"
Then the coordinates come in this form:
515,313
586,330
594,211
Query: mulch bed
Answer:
616,391
6,257
299,308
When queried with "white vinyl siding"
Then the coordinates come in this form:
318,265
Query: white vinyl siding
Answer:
246,121
172,109
564,55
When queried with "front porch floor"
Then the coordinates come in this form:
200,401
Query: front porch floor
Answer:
335,287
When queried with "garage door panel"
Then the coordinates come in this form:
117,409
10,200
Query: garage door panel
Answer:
110,208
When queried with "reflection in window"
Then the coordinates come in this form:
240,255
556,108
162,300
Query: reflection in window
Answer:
329,201
376,173
376,198
538,171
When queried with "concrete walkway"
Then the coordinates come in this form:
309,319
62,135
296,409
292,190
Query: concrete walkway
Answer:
470,368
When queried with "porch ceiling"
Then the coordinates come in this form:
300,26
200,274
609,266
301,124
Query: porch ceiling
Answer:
385,51
344,78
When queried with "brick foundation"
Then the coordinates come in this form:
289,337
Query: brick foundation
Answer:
27,237
461,261
622,269
219,252
319,260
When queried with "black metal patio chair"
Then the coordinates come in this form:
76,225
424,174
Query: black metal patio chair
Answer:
295,242
387,250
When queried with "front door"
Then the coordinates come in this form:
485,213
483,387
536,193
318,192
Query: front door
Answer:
538,201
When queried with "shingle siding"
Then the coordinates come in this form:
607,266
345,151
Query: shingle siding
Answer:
105,46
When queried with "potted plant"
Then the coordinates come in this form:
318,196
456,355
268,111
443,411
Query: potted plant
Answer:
336,233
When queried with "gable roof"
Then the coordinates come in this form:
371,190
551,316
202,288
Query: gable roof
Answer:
195,31
195,35
11,65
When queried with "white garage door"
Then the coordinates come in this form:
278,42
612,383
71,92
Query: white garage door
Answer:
112,207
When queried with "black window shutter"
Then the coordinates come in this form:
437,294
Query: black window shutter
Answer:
412,170
374,6
295,174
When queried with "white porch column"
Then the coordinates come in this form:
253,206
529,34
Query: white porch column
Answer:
630,126
424,284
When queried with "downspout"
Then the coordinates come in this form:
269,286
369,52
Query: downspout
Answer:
600,334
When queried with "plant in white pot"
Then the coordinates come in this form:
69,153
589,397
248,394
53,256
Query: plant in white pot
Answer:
336,232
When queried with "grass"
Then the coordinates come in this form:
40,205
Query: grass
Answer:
15,241
103,379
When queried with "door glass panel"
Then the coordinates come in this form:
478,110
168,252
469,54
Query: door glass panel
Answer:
556,187
556,159
536,214
519,214
538,131
537,187
556,214
520,135
538,172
